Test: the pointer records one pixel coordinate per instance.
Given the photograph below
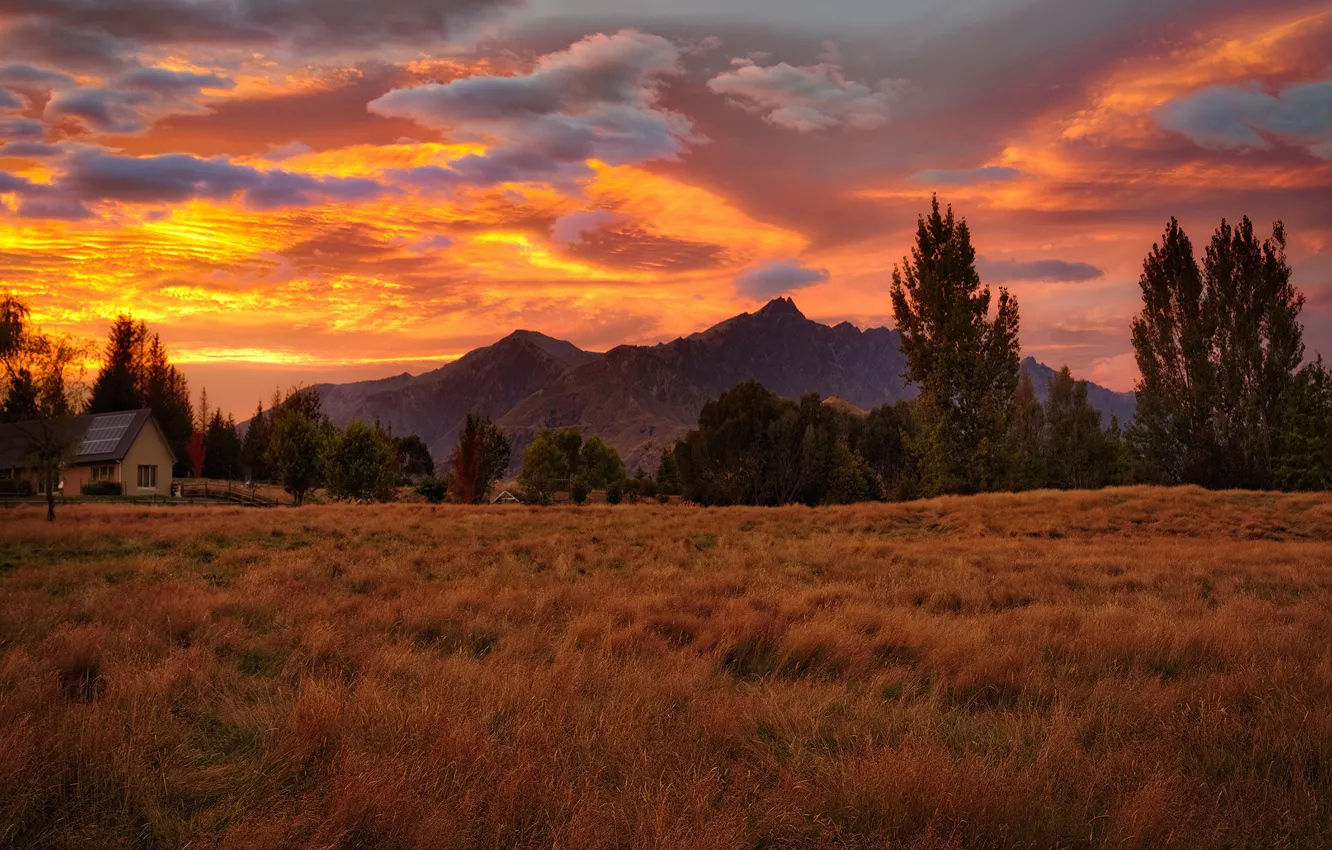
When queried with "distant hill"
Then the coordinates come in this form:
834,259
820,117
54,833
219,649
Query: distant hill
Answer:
489,380
1110,403
641,398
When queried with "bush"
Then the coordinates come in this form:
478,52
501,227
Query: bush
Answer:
103,488
578,491
615,493
20,488
433,488
664,498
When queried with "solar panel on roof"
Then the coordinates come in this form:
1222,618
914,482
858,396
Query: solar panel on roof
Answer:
105,433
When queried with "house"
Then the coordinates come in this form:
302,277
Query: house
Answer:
506,498
128,448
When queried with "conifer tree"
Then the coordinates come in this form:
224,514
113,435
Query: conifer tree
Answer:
119,383
964,361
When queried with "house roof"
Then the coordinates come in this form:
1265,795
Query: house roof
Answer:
102,436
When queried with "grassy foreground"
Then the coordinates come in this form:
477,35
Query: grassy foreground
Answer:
1130,668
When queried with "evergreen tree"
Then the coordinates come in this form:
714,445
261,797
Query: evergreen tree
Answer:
205,412
361,463
668,474
223,458
1257,346
119,384
167,394
254,448
884,441
1028,460
1304,451
1217,347
964,362
1076,450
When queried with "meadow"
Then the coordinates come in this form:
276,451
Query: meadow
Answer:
1127,668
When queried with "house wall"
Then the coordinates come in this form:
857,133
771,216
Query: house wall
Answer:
150,449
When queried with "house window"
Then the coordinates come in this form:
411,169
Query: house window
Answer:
6,474
103,473
147,477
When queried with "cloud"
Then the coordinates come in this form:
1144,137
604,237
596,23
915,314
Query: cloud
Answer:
965,176
9,100
176,178
597,100
571,228
1044,271
775,277
30,150
103,34
805,99
1245,117
166,82
21,128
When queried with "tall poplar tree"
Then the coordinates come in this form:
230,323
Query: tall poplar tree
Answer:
964,360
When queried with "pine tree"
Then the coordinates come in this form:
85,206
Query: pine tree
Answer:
964,361
254,448
222,449
1076,450
119,384
205,413
1027,461
21,402
167,394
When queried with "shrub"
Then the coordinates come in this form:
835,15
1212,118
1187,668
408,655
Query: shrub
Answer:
21,488
578,491
103,488
615,493
433,488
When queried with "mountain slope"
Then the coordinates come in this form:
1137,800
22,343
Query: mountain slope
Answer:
489,380
641,398
1110,403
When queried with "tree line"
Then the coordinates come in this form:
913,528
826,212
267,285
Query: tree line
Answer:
1225,397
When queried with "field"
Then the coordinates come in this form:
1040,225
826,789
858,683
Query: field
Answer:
1130,668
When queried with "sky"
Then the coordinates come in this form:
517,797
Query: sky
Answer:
298,191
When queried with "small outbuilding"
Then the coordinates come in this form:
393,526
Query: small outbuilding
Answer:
506,498
127,448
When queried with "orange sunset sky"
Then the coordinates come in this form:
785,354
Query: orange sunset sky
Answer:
297,191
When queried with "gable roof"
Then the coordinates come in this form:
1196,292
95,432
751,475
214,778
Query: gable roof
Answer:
102,437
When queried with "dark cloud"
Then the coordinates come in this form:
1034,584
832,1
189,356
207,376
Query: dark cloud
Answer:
776,277
1044,271
110,33
110,110
596,99
9,100
176,178
1228,117
21,128
30,150
166,82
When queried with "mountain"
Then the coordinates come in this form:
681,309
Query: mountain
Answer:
489,380
641,398
1110,403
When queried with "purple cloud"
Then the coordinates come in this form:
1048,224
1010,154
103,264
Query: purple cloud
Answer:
1044,271
805,99
965,176
776,277
1240,117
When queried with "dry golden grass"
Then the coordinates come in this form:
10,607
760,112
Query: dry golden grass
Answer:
1130,668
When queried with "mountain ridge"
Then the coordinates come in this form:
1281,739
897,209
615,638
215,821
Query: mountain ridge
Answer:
640,398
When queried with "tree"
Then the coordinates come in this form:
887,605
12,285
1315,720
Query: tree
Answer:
965,363
414,460
223,456
167,394
119,384
1304,452
1076,451
254,448
20,401
361,463
205,412
883,440
1027,457
480,459
668,474
47,370
849,479
297,444
546,469
1217,348
600,464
